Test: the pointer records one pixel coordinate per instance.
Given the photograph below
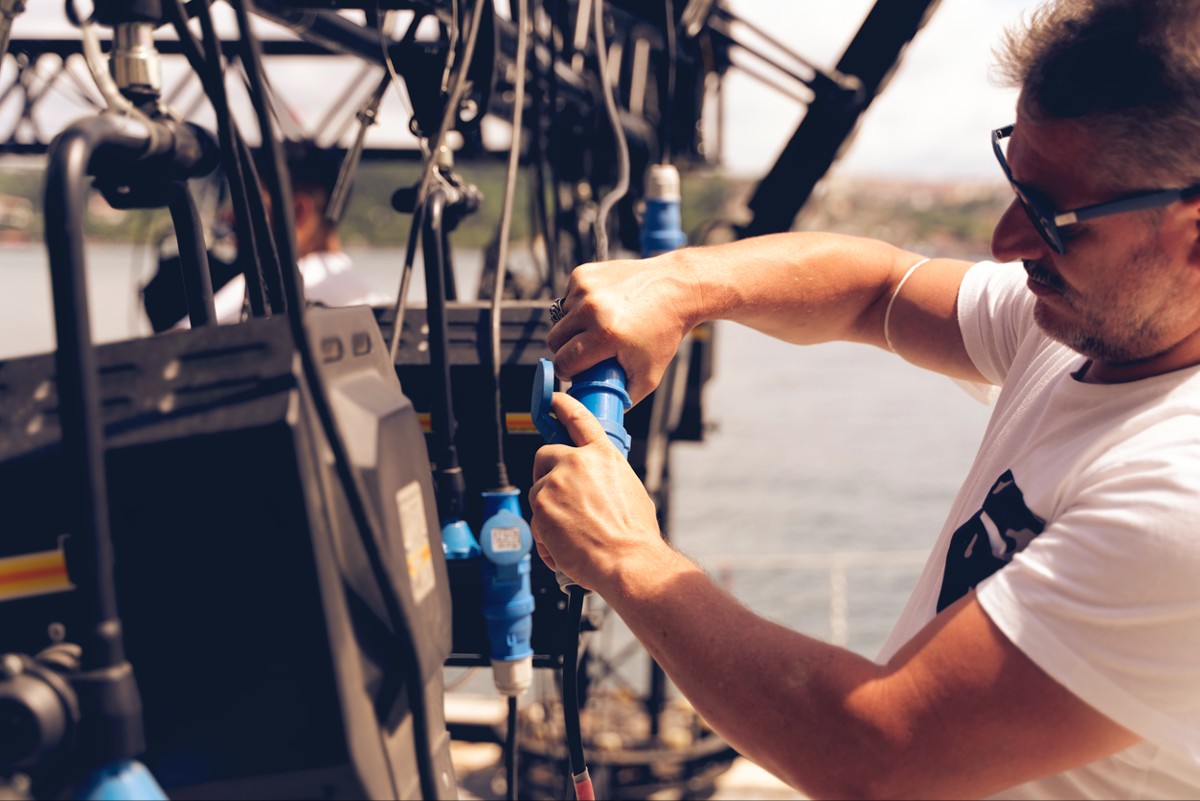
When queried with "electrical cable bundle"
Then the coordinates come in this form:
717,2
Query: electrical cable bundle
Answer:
291,301
449,115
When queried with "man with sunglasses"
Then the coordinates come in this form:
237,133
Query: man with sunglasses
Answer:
1052,646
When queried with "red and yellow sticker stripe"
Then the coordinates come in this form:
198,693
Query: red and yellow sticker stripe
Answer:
515,422
520,423
33,574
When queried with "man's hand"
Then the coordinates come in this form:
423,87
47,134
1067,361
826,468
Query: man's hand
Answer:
590,511
635,310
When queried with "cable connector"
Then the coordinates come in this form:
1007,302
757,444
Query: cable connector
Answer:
507,594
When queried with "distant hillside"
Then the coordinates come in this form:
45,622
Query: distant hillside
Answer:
945,219
939,219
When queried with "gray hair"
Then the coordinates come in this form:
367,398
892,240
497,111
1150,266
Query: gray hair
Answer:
1127,70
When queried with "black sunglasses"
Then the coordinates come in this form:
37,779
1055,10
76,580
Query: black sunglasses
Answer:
1048,222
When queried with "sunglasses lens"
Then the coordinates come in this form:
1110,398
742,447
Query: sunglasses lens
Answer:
1041,221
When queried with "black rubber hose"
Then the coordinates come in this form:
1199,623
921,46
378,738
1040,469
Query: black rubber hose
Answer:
254,250
109,691
450,482
510,750
193,256
574,731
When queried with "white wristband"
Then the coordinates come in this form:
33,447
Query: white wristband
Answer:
887,315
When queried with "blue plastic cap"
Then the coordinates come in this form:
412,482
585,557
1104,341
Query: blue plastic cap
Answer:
120,781
495,500
457,540
661,230
543,394
601,389
505,538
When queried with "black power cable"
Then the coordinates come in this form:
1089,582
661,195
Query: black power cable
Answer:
360,511
668,109
574,732
570,693
510,750
505,229
450,483
255,250
522,20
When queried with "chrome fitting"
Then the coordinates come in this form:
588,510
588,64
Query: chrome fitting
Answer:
136,66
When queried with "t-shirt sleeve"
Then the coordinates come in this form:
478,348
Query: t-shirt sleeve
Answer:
995,312
1106,600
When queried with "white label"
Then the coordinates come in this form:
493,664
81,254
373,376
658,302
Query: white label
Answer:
506,539
415,528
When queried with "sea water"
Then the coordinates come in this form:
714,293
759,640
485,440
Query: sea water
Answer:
827,469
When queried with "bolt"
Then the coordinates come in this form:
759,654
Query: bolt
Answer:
11,666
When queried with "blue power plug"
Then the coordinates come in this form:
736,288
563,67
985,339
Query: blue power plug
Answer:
601,389
507,597
662,228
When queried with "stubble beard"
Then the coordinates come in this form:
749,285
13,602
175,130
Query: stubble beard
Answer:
1114,329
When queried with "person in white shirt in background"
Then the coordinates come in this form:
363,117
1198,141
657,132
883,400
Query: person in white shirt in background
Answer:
329,277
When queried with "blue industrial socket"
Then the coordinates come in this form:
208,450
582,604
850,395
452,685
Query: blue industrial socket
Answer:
508,603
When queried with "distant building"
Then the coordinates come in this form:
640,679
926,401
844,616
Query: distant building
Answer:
15,212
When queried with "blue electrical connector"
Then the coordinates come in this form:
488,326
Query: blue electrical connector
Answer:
506,542
662,227
457,540
121,781
601,389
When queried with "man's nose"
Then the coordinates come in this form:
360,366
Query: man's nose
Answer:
1014,237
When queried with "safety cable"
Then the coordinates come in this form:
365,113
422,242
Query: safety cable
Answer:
451,52
449,115
556,282
505,229
383,29
537,157
362,515
614,118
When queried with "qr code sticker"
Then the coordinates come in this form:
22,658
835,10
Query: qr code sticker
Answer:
506,539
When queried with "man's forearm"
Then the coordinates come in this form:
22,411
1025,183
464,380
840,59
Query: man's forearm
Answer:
799,287
785,700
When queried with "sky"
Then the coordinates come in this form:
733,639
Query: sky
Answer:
932,120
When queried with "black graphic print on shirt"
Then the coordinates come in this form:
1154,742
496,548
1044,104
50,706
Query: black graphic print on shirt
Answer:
988,541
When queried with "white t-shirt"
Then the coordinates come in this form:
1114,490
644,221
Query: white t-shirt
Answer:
1079,527
329,280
